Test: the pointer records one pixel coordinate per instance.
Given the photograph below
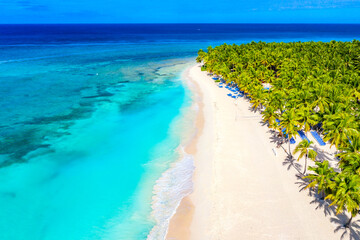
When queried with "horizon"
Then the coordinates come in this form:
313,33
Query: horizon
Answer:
170,23
186,11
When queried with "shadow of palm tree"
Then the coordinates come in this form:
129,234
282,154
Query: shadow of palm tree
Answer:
302,184
321,156
318,200
276,138
263,123
352,232
324,205
292,162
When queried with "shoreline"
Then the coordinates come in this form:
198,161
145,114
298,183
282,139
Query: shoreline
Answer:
239,191
181,220
175,184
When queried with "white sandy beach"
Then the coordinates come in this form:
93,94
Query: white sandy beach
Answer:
241,189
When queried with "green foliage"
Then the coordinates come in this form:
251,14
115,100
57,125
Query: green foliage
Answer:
304,149
313,85
321,177
339,126
345,193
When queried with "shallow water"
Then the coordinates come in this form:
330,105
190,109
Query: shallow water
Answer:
91,117
79,135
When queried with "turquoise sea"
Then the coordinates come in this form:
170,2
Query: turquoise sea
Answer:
93,121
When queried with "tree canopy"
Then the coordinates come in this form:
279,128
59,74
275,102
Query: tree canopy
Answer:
313,85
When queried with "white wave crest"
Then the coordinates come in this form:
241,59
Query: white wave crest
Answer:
169,190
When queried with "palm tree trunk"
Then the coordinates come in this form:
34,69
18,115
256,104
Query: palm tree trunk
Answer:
349,222
289,148
322,196
305,164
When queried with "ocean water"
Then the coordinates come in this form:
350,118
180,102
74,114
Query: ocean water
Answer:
94,119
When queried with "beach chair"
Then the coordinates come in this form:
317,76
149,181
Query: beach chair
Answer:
318,138
292,140
302,135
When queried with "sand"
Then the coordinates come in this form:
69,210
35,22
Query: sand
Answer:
242,190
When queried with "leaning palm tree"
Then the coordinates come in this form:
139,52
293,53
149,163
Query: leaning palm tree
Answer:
304,148
288,121
345,194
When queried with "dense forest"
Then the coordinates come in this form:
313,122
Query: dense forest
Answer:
311,86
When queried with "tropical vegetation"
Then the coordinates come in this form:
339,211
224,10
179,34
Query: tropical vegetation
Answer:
313,86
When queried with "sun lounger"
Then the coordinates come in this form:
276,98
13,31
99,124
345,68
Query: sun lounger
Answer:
318,138
292,140
303,136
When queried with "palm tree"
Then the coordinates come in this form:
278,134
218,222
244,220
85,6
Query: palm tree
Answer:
321,102
270,116
306,118
322,177
288,121
304,148
338,126
350,164
345,194
257,97
351,148
201,55
277,100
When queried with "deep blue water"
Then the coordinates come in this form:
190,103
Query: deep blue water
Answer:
136,33
92,115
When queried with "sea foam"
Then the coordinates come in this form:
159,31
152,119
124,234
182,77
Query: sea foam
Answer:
169,190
